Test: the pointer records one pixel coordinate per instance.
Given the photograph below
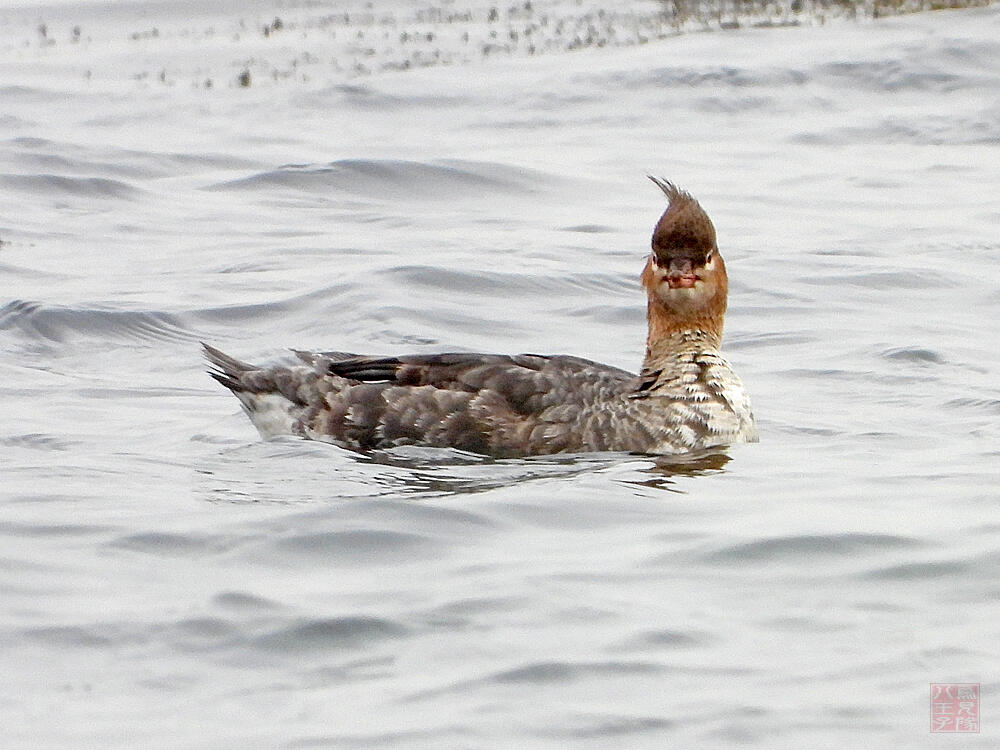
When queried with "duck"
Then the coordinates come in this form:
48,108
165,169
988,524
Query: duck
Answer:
686,398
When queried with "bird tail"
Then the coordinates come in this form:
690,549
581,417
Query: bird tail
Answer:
226,370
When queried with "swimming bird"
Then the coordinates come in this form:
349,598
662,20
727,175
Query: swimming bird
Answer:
686,398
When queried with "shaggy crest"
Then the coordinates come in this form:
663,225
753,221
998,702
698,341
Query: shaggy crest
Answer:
684,229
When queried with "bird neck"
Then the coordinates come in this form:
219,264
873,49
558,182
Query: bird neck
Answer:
671,335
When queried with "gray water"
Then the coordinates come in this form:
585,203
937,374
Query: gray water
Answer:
169,580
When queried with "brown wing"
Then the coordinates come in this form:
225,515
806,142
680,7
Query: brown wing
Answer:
527,382
484,403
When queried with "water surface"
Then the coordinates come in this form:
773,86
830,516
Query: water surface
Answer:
169,580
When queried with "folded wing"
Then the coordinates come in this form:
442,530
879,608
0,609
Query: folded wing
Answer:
484,403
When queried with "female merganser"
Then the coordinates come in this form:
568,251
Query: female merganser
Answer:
687,397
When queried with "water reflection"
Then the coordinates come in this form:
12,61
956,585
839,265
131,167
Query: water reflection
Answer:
309,471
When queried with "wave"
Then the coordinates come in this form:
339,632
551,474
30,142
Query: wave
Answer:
171,544
311,634
31,95
563,672
357,96
928,130
267,636
64,166
809,547
704,76
37,441
38,321
913,355
556,673
53,185
507,283
919,571
902,279
412,180
356,546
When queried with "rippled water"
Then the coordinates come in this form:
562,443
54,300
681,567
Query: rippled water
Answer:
169,580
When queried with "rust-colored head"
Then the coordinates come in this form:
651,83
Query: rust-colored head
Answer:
685,275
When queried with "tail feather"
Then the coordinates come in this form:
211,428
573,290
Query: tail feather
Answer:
227,370
272,397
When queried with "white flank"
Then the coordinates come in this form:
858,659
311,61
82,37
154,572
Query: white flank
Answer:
271,413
